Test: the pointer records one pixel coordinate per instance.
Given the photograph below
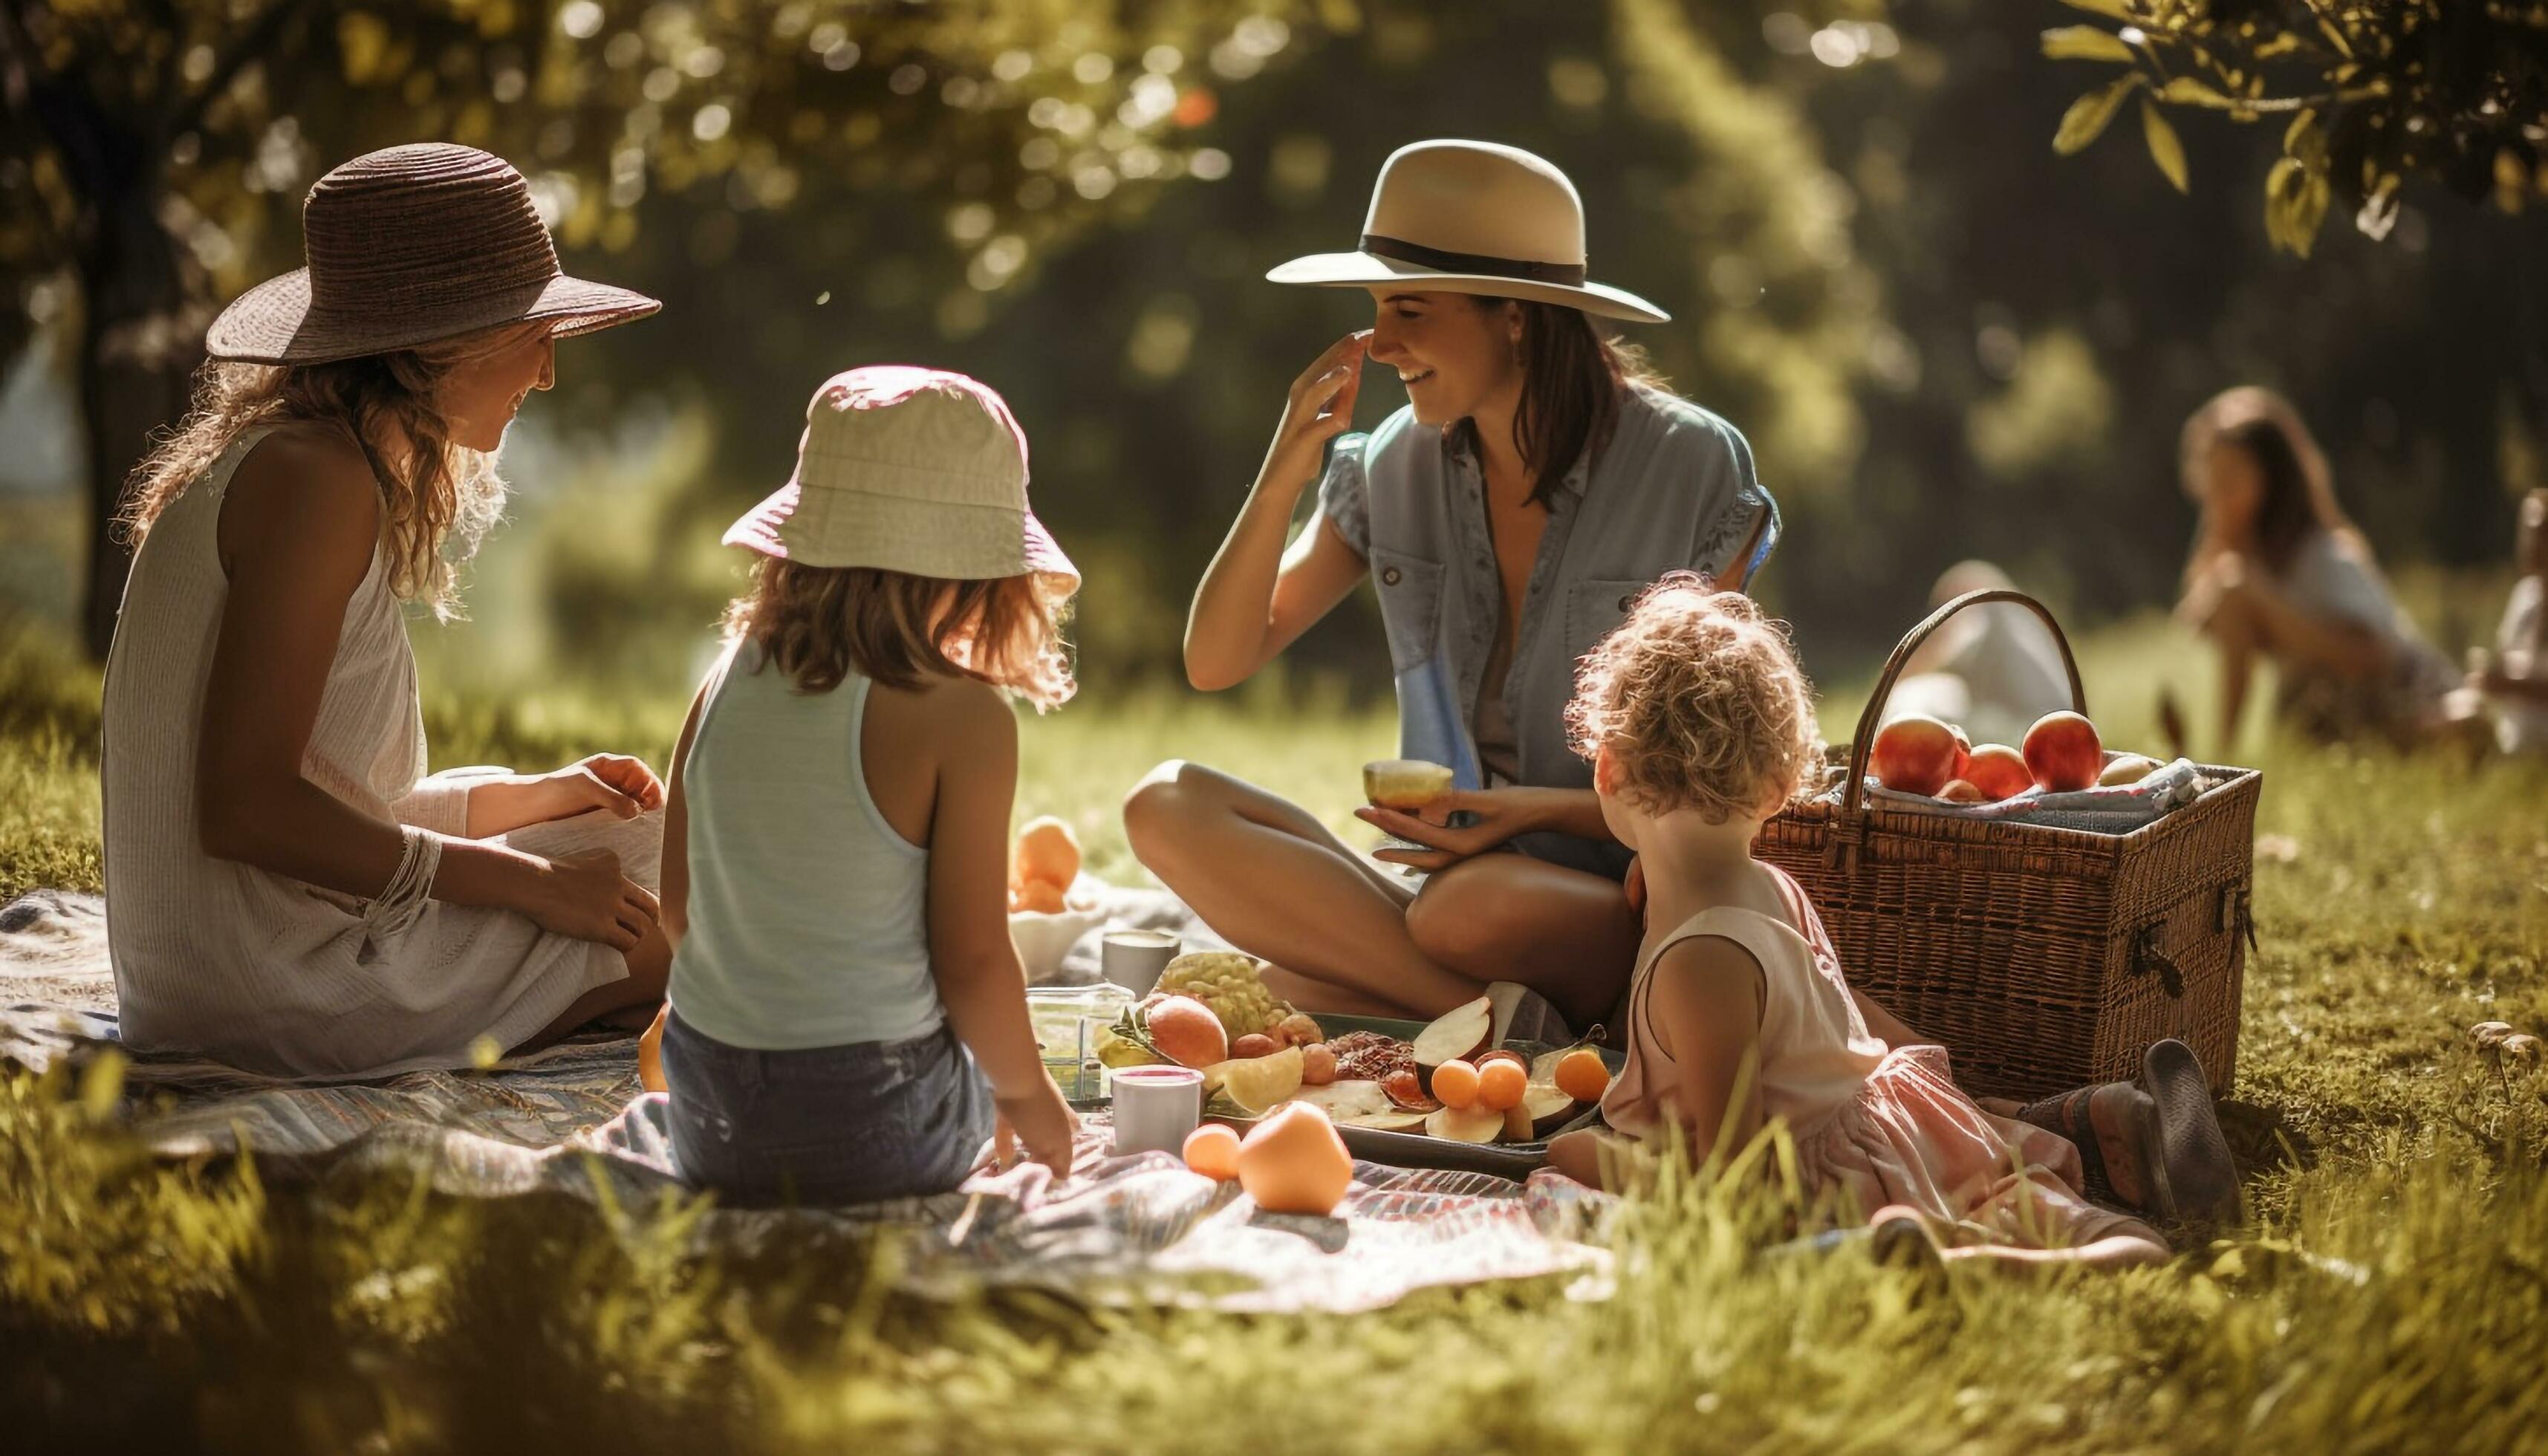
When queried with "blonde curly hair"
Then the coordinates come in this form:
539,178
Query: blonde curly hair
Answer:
1700,702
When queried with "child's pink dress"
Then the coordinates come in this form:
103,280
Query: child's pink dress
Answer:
1879,1125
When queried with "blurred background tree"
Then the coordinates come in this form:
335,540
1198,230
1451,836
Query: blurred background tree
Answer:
158,150
2367,95
1944,338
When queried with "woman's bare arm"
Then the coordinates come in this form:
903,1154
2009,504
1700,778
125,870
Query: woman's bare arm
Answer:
296,536
1257,598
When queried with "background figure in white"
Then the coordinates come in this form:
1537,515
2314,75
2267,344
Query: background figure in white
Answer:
1992,670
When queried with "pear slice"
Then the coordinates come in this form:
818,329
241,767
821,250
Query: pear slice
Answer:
1471,1123
1255,1083
1460,1033
1396,1119
1547,1107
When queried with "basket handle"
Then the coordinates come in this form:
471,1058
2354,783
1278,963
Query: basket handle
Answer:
1853,793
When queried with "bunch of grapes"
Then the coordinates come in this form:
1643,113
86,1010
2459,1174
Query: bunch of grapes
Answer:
1226,982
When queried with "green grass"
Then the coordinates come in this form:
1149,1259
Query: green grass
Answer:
2391,1292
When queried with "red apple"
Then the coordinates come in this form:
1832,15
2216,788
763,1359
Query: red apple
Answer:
1999,772
1914,755
1957,792
2062,752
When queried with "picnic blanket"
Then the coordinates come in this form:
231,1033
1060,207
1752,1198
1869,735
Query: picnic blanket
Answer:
573,1119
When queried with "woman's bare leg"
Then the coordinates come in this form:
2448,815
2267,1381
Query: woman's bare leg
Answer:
628,1003
1270,880
1568,934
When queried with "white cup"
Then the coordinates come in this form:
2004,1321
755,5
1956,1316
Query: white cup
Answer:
1156,1107
1134,958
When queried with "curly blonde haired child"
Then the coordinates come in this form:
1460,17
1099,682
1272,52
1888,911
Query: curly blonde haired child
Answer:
1709,691
1702,726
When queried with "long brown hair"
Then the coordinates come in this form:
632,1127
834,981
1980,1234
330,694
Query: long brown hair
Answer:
433,492
819,623
1572,375
2300,490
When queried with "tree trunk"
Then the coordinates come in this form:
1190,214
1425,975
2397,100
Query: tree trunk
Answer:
141,338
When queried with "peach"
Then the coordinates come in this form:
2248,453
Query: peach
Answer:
1213,1150
1914,755
2062,752
1037,897
1999,772
1187,1033
1293,1162
1047,853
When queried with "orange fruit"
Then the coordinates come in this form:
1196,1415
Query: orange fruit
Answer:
1455,1083
1583,1075
1506,1053
1047,853
1037,897
1213,1150
1501,1084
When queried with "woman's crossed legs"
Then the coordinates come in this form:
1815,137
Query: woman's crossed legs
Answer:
1347,935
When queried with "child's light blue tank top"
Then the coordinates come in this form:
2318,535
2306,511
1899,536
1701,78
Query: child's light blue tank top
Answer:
808,914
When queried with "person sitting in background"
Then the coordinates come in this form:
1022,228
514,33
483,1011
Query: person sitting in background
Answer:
2513,678
2278,571
1992,670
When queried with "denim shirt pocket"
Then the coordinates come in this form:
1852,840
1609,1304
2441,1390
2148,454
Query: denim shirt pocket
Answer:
1594,608
1411,605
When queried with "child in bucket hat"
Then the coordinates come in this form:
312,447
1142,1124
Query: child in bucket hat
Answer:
846,1019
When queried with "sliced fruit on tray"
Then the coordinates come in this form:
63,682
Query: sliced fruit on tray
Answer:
1471,1123
1257,1085
1457,1035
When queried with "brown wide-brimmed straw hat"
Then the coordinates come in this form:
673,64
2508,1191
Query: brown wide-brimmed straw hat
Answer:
407,246
920,471
1477,218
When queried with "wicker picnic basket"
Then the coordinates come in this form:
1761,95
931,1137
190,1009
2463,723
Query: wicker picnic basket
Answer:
2042,958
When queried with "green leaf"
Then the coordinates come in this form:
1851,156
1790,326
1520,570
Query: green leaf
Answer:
2085,42
2111,9
2193,92
2164,148
2296,198
2089,114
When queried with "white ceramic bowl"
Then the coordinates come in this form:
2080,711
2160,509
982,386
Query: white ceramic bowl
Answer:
1044,940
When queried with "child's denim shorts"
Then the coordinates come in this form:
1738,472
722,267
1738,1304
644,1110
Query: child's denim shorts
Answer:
831,1124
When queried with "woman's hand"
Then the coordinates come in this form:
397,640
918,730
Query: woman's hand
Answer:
1318,409
1041,1121
1500,814
622,786
584,895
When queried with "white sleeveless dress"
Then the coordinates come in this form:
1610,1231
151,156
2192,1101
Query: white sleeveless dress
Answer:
267,972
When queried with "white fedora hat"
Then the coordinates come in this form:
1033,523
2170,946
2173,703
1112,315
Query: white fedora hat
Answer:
1473,217
920,471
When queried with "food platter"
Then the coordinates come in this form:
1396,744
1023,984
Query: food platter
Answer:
1417,1150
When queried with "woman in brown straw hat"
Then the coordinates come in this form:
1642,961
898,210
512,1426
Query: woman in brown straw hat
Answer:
1537,481
285,889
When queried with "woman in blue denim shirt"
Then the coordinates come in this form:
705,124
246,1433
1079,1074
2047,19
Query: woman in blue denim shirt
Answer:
1537,481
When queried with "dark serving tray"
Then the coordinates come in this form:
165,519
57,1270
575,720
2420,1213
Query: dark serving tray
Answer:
1513,1160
